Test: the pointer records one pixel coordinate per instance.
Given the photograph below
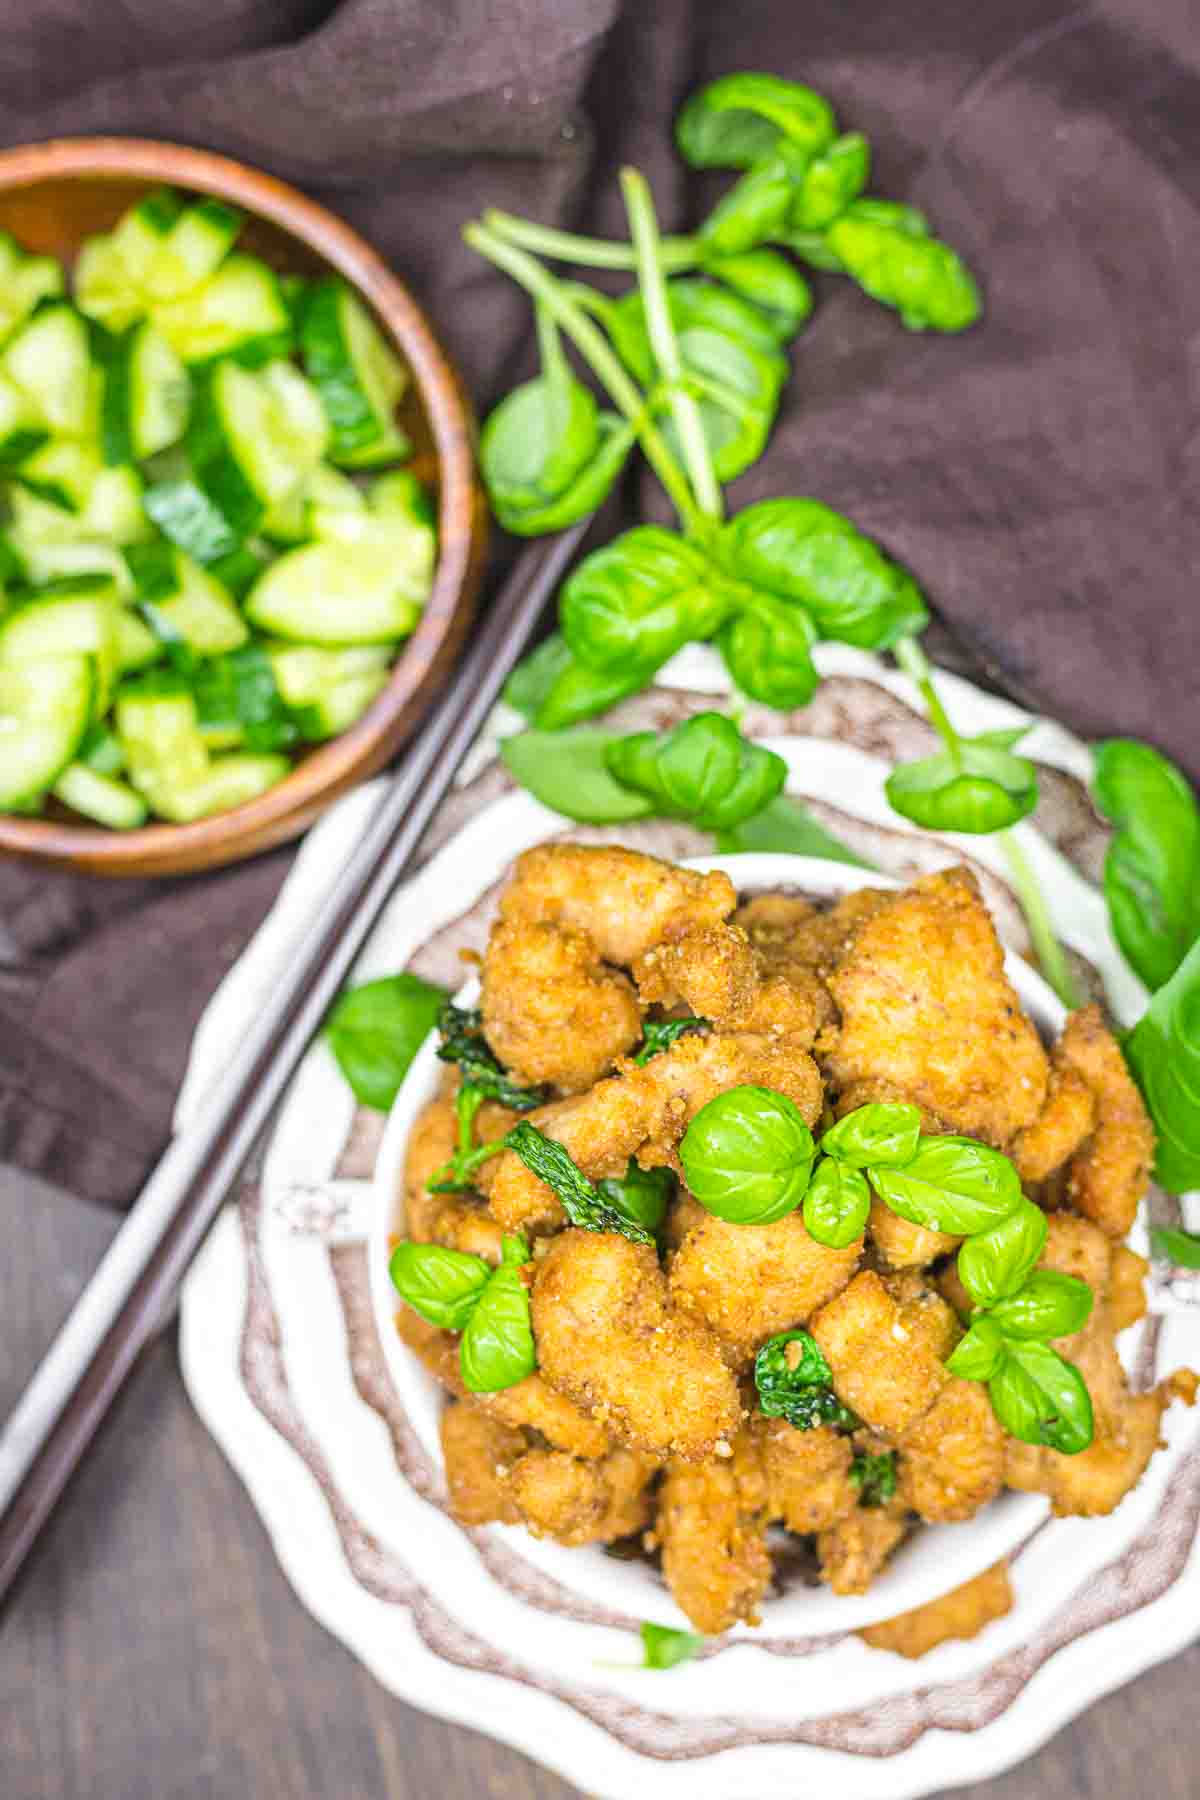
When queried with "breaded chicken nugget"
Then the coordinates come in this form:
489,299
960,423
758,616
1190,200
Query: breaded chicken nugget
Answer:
460,1221
927,1007
608,1338
749,1281
1108,1176
574,1502
807,1474
1127,1287
1075,1246
962,1613
882,1370
1095,1481
712,1528
952,1460
720,974
853,1551
821,939
479,1454
1064,1122
552,1010
644,1113
623,900
903,1245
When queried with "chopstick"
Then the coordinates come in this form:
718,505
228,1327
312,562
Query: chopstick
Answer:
129,1296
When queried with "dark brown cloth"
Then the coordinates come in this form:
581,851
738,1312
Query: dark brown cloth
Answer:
1039,474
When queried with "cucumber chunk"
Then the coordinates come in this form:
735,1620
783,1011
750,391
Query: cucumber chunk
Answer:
44,712
69,619
25,281
101,750
239,704
100,797
21,430
232,780
183,602
49,358
156,725
140,233
82,498
297,517
192,250
184,513
240,309
147,396
397,522
341,593
357,373
255,436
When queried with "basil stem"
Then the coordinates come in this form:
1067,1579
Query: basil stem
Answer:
677,253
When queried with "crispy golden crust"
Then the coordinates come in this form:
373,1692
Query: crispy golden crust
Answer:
1127,1287
711,1525
853,1551
962,1613
927,1320
821,939
574,1502
608,1338
552,1010
1108,1176
927,1007
479,1454
1062,1125
807,1474
882,1370
722,976
623,900
902,1245
460,1221
1075,1246
952,1460
644,1113
749,1281
1095,1481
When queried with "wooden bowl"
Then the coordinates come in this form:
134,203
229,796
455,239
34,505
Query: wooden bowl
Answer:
54,195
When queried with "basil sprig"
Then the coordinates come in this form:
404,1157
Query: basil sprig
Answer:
490,1307
874,1477
837,1203
747,1155
640,1195
375,1031
795,1383
463,1043
584,1203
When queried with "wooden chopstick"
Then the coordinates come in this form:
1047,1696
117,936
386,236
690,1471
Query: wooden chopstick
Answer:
130,1294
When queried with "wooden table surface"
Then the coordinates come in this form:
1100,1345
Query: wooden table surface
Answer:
155,1651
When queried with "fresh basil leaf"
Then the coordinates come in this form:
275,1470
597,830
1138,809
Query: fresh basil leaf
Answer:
537,441
785,826
638,599
979,1353
463,1042
663,1647
837,1204
993,1264
568,772
747,1155
1048,1305
535,675
1064,1406
1163,1053
884,1132
806,553
767,647
1152,869
736,120
795,1383
874,1477
497,1349
830,182
952,1184
703,770
769,282
925,280
813,246
660,1034
442,1285
1016,1401
754,209
640,1195
581,1199
1180,1247
583,494
974,788
375,1031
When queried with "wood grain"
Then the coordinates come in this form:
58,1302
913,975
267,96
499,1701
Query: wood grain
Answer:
54,195
155,1651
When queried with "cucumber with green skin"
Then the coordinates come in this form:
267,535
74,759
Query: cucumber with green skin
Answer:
100,797
111,269
254,437
147,396
230,780
240,311
358,375
329,593
25,281
71,618
182,601
49,359
45,707
328,690
192,250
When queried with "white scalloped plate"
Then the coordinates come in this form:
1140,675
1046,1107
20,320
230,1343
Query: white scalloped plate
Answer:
282,1356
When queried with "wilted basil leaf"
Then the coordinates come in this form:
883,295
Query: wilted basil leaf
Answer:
640,1195
874,1477
795,1383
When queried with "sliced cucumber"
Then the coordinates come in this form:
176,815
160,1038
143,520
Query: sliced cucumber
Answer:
61,472
181,600
68,619
49,358
240,569
44,712
147,395
140,233
241,308
137,646
334,594
156,724
341,706
239,704
192,250
231,781
101,750
25,281
100,797
397,522
21,430
255,436
357,373
297,517
306,672
184,512
84,498
110,271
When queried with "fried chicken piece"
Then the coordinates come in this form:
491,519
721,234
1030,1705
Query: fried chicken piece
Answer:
952,1460
683,1215
953,1292
608,1338
823,938
927,1321
1075,1246
903,1245
711,1524
853,1551
574,1502
531,1405
1108,1175
623,900
749,1281
771,922
962,1613
644,1113
807,1474
1095,1481
1127,1287
927,1007
552,1010
722,976
460,1221
1062,1125
479,1453
882,1370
